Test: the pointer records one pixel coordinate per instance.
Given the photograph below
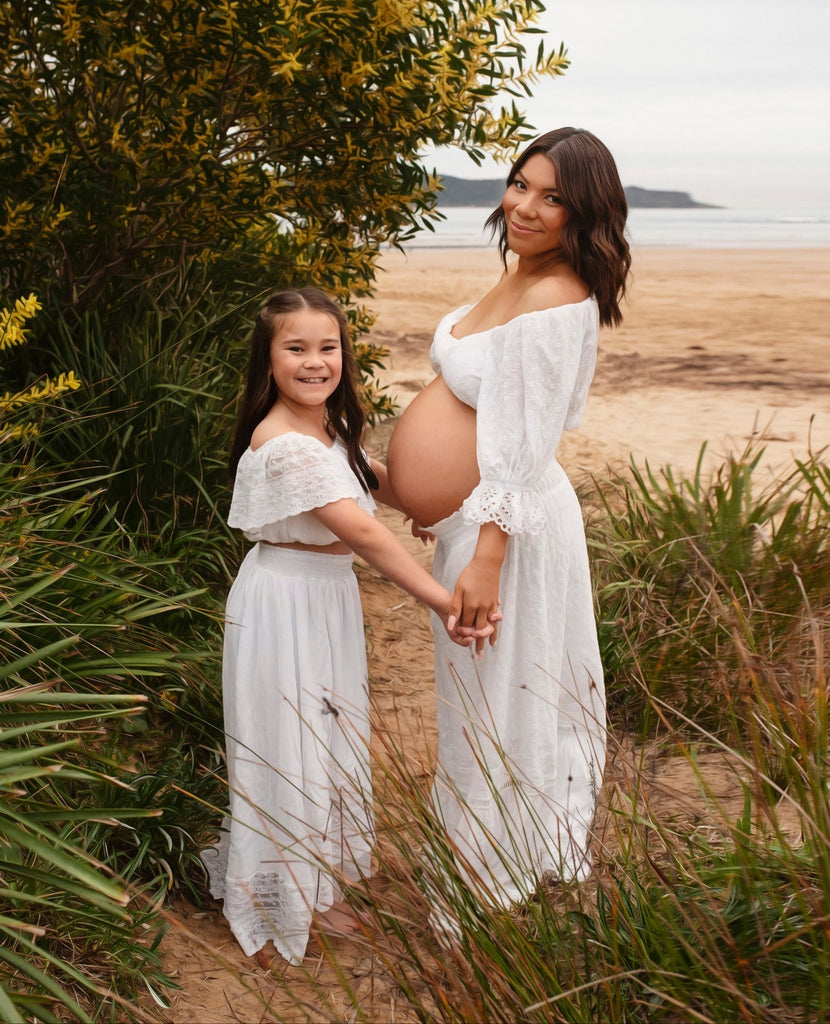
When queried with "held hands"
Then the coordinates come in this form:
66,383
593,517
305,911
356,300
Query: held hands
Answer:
465,637
474,611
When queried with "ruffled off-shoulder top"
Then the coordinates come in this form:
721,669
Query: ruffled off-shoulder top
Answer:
278,485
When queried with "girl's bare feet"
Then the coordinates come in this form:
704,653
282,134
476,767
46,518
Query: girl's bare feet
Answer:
262,958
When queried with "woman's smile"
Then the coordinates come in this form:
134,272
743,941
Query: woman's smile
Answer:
533,209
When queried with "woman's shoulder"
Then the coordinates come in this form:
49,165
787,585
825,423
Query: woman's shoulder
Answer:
574,317
553,293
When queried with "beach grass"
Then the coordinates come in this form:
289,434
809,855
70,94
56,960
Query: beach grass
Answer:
709,898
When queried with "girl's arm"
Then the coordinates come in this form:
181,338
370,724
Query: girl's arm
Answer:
475,602
382,549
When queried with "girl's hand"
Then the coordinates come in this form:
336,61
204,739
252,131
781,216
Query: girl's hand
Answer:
474,609
424,536
465,637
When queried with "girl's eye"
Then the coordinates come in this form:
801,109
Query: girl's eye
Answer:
520,185
554,199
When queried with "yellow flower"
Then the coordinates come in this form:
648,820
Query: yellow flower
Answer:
12,331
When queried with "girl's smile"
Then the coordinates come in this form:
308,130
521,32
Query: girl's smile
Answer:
306,358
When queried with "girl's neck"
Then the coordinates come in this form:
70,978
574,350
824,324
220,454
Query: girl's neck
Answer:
288,416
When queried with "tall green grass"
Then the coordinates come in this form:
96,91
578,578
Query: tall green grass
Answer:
689,571
79,942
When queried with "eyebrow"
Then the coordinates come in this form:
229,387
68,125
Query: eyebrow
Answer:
294,338
518,174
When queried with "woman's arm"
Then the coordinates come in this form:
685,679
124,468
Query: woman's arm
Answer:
533,365
475,600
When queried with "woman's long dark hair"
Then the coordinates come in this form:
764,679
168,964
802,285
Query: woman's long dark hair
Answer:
593,238
345,416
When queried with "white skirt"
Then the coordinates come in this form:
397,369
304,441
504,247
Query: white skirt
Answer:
295,693
522,730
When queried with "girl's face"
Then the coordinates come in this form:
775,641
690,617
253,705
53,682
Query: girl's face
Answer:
306,358
533,210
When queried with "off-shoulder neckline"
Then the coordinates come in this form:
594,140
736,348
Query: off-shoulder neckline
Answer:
519,316
292,433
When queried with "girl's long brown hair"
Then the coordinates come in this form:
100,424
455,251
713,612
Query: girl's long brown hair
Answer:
593,239
345,415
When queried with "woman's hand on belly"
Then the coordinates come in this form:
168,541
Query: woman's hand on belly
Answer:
432,455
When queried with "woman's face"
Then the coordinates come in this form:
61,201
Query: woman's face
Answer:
533,210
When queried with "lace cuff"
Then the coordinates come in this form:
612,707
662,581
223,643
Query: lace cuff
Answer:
514,510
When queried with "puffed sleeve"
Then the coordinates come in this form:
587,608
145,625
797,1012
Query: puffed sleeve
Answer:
536,376
288,475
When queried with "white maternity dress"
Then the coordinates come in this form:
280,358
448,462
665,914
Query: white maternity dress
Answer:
521,730
295,696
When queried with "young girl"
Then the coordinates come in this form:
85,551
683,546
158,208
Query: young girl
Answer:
294,672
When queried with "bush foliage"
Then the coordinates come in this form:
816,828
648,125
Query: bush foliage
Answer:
152,150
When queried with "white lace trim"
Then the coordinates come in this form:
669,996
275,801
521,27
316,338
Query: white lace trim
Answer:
264,907
270,904
289,475
515,511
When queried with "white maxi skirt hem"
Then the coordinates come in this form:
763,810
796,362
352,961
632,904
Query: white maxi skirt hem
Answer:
522,731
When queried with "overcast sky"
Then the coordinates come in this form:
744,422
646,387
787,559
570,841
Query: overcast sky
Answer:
726,99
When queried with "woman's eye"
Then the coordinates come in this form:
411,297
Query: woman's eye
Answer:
520,185
554,199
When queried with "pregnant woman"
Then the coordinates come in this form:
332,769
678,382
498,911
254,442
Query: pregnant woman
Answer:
521,724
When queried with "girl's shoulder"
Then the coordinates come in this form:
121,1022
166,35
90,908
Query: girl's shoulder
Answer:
288,452
288,441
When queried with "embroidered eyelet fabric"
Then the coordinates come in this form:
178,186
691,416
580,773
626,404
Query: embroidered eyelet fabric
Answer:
278,485
522,730
528,381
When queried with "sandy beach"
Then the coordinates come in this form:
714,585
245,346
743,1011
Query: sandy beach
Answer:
722,347
717,346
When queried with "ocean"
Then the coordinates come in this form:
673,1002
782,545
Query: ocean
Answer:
670,229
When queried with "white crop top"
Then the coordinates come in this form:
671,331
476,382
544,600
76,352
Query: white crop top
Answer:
277,485
528,381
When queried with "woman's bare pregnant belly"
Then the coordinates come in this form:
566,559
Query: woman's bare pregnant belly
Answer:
432,454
